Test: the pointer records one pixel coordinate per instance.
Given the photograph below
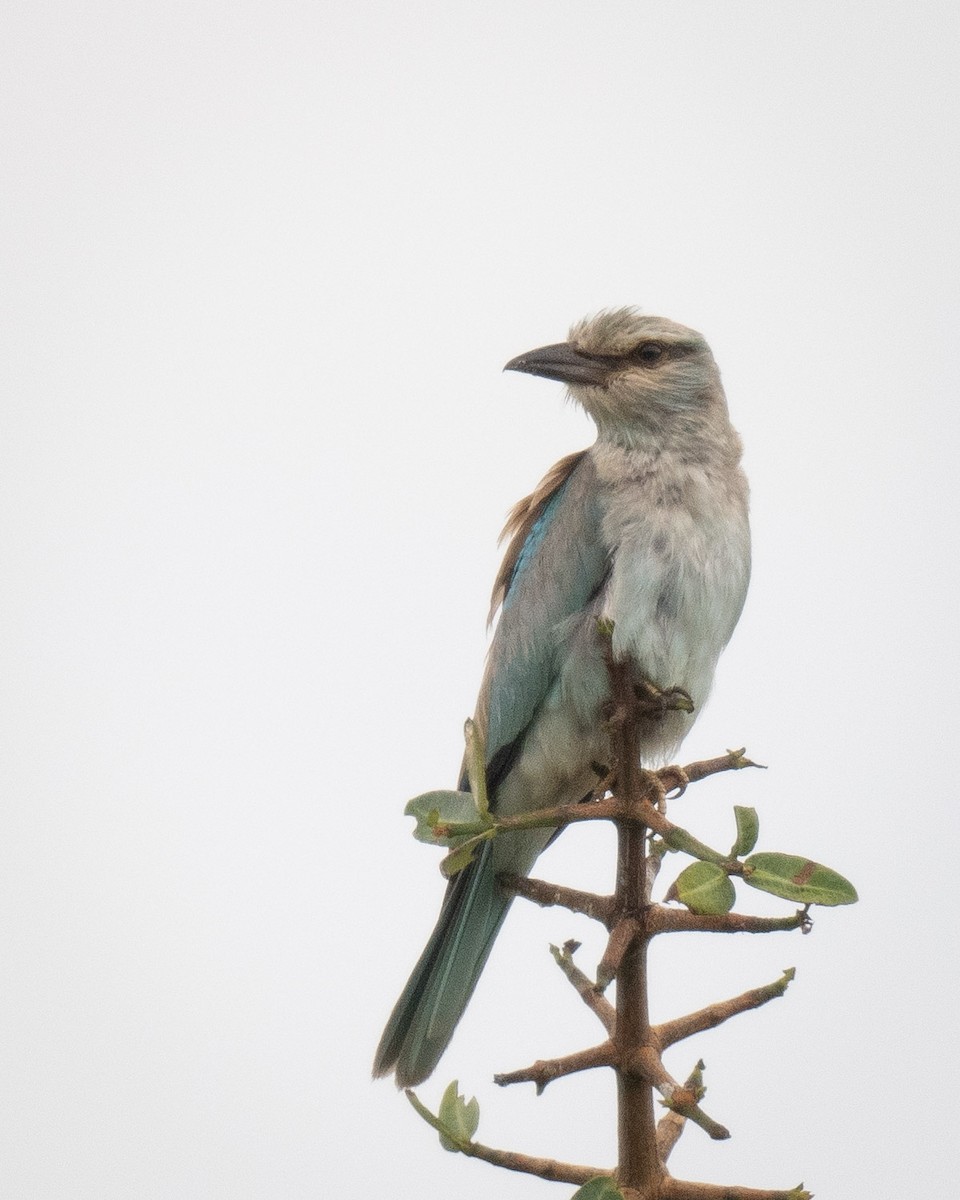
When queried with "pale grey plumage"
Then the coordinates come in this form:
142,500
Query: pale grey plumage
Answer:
648,527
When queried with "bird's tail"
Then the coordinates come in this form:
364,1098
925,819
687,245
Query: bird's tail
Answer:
439,989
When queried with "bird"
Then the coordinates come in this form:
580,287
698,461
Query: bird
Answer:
646,530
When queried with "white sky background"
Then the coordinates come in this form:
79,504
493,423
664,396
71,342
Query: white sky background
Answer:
263,264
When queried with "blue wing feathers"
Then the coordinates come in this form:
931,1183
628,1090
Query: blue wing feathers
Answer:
533,542
541,593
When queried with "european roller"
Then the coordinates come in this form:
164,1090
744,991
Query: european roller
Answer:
647,528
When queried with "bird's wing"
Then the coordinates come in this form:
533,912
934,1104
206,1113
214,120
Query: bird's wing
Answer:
555,563
526,525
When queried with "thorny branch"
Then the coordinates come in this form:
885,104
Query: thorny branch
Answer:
635,800
636,804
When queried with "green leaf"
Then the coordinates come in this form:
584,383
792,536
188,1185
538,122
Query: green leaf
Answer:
422,1109
457,1120
678,838
704,888
601,1187
748,830
464,853
458,1117
799,879
476,767
435,811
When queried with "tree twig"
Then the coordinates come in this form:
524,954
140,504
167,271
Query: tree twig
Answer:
620,941
585,988
544,1168
682,1189
733,760
671,1125
675,920
546,1070
670,1032
599,908
646,1061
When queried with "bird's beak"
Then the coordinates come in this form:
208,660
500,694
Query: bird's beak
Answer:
563,362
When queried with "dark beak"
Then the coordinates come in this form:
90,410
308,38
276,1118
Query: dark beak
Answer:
563,362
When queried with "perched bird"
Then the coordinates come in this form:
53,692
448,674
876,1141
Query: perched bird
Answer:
648,528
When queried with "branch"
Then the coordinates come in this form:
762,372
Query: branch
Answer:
585,988
677,838
672,920
599,908
638,1165
607,809
546,1070
611,808
544,1168
681,1189
677,1097
456,1140
676,1030
635,800
654,863
733,760
618,943
621,938
672,1124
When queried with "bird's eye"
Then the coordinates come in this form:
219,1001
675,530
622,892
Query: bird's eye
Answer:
649,353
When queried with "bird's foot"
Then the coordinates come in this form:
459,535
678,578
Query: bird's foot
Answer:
674,780
654,702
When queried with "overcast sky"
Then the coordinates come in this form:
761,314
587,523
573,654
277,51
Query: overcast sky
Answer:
262,266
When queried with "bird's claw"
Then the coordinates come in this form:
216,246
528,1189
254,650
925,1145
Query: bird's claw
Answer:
674,780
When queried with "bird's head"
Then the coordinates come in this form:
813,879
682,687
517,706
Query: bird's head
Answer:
634,374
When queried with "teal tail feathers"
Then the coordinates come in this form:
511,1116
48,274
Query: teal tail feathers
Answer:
441,984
